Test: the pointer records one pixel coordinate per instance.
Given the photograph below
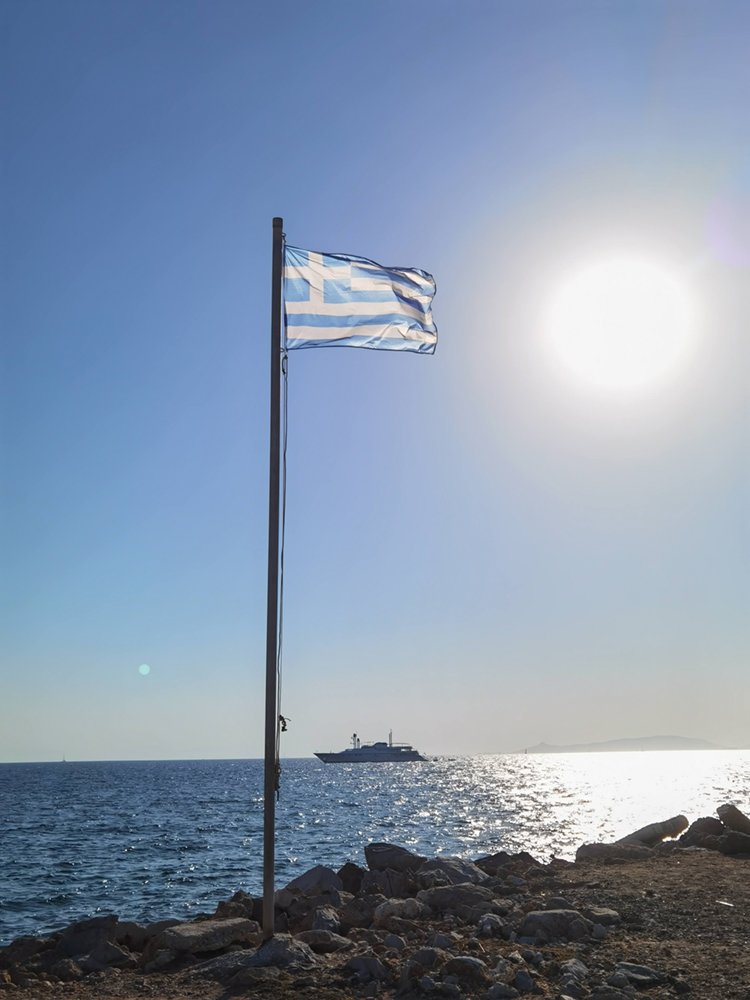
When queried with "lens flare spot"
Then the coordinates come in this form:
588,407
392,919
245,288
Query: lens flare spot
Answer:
144,670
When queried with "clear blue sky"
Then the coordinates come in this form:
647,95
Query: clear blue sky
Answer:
481,553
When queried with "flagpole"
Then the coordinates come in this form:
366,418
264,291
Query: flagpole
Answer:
270,779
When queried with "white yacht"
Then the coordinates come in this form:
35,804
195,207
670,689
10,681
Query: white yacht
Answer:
371,753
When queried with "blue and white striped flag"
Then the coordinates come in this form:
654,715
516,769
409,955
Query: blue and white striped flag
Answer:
332,300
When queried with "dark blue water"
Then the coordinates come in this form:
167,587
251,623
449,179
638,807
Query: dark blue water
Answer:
148,840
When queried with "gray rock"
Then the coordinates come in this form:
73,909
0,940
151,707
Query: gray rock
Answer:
131,935
429,958
351,877
604,992
602,915
401,909
359,912
382,856
654,833
411,971
697,832
454,871
614,852
323,942
325,918
574,967
573,988
503,968
467,967
367,967
66,970
599,932
240,905
501,991
456,898
734,842
157,927
427,984
440,940
84,936
555,925
388,882
282,951
523,981
316,881
223,968
252,978
106,956
449,989
209,935
618,979
159,959
733,818
558,903
640,975
395,942
490,925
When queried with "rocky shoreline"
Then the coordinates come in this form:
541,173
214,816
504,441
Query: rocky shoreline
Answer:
663,913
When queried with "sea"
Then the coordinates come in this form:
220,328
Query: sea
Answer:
155,839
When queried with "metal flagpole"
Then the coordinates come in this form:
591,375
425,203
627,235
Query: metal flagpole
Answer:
270,781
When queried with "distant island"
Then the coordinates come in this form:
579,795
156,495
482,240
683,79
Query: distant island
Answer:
643,743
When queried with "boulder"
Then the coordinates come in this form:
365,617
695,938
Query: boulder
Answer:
641,976
454,871
131,935
367,968
84,936
66,970
602,915
325,918
315,881
555,925
523,981
466,901
403,909
106,955
490,925
283,951
351,877
430,958
654,833
382,856
613,852
468,968
704,832
394,942
493,863
324,942
389,883
734,842
240,905
209,935
733,818
359,911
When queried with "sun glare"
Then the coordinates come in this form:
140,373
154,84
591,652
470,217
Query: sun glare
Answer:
621,325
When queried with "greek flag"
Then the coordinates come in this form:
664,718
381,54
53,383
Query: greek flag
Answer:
332,300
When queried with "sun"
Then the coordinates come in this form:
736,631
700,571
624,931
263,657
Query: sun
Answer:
621,325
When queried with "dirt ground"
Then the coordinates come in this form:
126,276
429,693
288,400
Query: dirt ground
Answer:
686,914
